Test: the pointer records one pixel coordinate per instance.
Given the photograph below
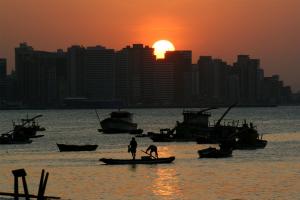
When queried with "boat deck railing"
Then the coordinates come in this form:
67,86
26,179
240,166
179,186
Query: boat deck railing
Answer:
233,123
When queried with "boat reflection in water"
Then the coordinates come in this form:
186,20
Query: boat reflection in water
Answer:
166,184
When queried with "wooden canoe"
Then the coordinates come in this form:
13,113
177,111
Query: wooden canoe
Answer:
144,160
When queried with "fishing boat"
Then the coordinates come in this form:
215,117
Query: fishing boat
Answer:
118,122
143,160
68,147
212,152
196,125
248,138
31,122
27,127
164,135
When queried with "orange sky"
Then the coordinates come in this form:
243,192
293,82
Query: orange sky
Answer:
265,29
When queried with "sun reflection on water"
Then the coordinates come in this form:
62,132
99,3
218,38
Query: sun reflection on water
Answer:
166,184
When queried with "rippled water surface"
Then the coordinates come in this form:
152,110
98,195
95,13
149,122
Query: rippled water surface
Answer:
270,173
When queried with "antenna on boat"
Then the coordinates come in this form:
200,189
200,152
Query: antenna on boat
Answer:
98,116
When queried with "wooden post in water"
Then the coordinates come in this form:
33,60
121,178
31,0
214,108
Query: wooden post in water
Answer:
20,173
42,185
16,188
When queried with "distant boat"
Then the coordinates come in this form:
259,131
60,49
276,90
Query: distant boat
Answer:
164,135
248,138
143,160
67,147
118,122
27,127
214,153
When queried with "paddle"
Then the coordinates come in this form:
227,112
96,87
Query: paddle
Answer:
148,154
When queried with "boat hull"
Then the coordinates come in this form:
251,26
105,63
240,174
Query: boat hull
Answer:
15,142
12,139
65,147
111,125
258,144
111,161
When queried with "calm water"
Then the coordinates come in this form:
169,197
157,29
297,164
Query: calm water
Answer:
270,173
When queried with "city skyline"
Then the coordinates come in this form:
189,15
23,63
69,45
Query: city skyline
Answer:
265,29
97,76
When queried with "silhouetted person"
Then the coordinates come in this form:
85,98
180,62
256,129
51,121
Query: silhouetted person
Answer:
152,148
132,147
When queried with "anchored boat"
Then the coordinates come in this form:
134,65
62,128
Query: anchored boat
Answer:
195,125
212,152
118,122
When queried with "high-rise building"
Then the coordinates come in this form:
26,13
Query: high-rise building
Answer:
192,86
220,76
2,68
182,61
100,73
3,81
271,90
39,76
213,79
286,95
134,75
248,74
259,86
164,84
76,71
233,86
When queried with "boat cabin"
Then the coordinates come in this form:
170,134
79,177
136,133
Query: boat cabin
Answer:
122,115
198,118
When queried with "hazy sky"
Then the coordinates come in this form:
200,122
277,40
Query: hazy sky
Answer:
265,29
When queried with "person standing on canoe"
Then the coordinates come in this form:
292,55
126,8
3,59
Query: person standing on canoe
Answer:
132,147
152,148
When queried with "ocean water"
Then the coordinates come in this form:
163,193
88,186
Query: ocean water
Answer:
270,173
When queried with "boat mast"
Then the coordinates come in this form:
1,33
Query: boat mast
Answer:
225,113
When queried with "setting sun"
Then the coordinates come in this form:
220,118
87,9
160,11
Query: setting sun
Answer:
160,48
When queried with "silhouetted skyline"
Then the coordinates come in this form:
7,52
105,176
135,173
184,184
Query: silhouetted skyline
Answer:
97,76
262,28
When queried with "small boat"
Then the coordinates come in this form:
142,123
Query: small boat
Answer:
68,147
143,160
212,152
